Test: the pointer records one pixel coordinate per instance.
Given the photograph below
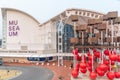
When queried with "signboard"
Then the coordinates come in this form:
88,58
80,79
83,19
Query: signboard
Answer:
13,28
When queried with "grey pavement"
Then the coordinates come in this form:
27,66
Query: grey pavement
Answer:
31,73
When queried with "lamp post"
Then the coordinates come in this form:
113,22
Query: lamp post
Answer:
74,20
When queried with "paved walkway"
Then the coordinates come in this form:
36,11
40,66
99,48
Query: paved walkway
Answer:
63,72
31,73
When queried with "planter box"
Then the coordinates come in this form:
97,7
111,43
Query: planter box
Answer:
102,26
91,21
93,39
83,27
112,15
74,18
98,35
105,17
117,20
108,39
94,21
74,40
77,28
98,21
118,39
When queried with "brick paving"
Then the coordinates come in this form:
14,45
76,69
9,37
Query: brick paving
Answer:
60,72
63,72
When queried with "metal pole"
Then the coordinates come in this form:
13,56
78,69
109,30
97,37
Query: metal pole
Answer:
107,29
74,48
58,46
74,59
118,35
82,38
112,31
110,63
74,30
92,61
83,56
91,33
102,55
101,37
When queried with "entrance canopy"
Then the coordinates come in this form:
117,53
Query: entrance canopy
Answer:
33,54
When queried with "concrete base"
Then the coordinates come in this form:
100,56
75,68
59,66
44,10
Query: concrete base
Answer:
81,77
86,77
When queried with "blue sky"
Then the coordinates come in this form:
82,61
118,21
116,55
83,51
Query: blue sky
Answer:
43,10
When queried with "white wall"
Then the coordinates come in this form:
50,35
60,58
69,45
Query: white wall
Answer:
48,35
22,30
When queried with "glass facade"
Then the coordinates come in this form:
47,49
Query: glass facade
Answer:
67,33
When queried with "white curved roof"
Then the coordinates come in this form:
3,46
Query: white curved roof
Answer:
11,9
